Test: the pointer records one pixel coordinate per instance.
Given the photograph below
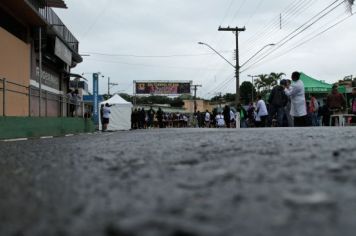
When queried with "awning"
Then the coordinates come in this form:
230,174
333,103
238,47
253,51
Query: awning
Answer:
56,3
312,85
72,75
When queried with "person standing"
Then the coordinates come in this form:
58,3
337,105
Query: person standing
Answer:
242,114
325,114
296,92
71,102
353,105
232,119
106,116
277,102
151,114
102,114
262,113
335,101
160,117
220,121
227,116
288,107
313,110
251,116
207,119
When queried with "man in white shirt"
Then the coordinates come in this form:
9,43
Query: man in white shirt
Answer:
296,93
262,112
220,120
106,116
207,119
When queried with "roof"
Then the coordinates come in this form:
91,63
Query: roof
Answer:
312,85
116,99
56,3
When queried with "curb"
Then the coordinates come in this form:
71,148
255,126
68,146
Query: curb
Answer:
43,137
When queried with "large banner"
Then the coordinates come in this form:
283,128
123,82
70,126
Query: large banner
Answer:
162,88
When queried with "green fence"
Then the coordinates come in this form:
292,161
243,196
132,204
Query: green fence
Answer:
31,127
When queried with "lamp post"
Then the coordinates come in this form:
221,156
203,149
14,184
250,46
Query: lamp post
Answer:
237,68
268,45
252,76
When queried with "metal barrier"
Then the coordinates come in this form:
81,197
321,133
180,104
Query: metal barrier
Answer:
33,95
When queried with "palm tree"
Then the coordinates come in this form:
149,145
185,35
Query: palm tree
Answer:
275,78
261,82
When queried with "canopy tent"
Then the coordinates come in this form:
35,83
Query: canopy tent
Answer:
312,85
120,117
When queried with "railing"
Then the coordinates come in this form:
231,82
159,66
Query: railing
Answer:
36,3
52,18
52,105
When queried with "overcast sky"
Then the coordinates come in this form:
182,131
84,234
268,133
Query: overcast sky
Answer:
157,40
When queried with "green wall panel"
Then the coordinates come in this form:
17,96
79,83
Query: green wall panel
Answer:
29,127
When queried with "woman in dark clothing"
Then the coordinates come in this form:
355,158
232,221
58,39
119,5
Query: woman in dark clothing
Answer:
227,116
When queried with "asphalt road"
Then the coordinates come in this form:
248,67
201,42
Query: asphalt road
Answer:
187,182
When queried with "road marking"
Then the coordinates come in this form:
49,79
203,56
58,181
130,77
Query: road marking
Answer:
15,140
46,137
69,135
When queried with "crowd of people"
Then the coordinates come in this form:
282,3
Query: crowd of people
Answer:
142,119
288,107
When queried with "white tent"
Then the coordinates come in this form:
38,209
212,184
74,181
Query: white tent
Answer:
120,117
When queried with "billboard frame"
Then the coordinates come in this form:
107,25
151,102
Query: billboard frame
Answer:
160,81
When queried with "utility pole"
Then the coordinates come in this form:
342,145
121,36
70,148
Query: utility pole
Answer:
237,68
195,88
110,84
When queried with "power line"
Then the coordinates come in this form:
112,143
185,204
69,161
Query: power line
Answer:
270,33
238,10
227,12
295,33
259,4
220,84
150,65
302,43
97,18
153,56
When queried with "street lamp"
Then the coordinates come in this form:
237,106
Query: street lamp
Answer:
268,45
201,43
237,68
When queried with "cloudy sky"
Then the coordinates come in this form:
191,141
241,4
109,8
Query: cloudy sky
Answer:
157,40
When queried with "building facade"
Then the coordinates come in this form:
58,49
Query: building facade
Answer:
37,54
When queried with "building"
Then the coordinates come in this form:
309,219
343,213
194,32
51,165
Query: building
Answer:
202,105
33,42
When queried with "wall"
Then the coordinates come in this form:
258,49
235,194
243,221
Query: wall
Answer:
202,106
15,67
30,127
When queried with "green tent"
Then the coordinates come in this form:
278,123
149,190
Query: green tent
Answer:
312,85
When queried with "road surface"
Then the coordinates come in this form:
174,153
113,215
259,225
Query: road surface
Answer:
181,182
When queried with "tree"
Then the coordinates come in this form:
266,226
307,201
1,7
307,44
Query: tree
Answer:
277,76
247,90
126,97
262,82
